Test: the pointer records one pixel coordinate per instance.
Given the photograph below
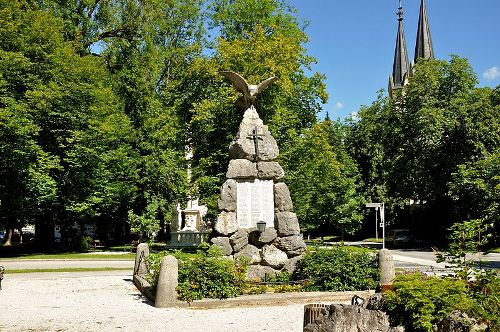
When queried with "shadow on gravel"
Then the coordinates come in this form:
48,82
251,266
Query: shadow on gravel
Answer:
143,299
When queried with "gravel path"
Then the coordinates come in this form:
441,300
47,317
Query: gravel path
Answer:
97,302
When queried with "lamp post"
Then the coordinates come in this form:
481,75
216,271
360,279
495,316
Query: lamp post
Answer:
379,207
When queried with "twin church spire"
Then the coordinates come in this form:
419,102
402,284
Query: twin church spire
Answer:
401,69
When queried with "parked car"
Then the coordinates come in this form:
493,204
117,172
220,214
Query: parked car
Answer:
398,237
2,235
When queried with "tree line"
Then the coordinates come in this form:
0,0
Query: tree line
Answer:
99,99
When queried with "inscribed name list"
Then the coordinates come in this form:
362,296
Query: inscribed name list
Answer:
255,202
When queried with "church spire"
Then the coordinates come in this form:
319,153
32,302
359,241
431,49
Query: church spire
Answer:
423,47
401,69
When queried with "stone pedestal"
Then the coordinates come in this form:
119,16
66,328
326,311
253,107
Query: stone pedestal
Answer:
253,192
386,267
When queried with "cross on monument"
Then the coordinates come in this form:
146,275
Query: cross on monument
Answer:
255,136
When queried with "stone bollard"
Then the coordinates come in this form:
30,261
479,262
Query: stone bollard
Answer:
140,259
166,294
386,267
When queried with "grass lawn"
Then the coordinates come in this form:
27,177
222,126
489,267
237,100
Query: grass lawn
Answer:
72,269
80,256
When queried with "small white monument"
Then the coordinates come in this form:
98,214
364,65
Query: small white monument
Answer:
187,227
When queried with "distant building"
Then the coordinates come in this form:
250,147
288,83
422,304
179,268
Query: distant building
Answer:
402,70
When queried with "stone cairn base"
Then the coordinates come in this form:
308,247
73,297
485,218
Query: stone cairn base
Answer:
278,248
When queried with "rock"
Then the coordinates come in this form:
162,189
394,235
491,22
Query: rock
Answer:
259,239
291,264
375,302
227,200
226,223
273,257
458,321
243,145
269,170
241,169
292,245
239,239
286,223
259,272
166,293
251,252
282,199
348,318
223,243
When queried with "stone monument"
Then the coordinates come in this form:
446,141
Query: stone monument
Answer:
254,195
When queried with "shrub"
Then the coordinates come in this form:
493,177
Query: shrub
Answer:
204,275
340,268
419,302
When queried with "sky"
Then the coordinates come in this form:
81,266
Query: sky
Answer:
353,42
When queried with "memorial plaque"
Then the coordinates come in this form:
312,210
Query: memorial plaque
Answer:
255,202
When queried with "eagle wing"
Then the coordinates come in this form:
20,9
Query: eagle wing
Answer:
239,82
264,84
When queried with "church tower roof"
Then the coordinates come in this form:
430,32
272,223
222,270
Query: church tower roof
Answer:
423,46
401,69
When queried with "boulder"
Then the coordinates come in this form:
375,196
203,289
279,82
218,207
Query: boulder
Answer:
282,199
375,302
243,145
458,321
227,200
269,170
241,169
291,264
286,223
259,239
251,252
273,257
223,243
260,272
226,223
293,245
348,318
239,239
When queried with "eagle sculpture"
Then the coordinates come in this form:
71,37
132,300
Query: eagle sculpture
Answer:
249,91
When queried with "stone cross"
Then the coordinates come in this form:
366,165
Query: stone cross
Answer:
255,136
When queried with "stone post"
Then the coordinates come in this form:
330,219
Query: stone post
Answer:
140,265
386,267
166,294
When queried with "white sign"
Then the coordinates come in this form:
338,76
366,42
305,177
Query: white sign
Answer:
255,202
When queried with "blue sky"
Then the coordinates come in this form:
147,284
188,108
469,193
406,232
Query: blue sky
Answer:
354,41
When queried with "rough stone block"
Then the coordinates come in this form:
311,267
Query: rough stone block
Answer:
228,196
241,169
293,245
251,252
141,256
166,294
259,239
286,223
243,145
259,272
282,200
273,257
239,239
223,243
270,170
291,264
226,223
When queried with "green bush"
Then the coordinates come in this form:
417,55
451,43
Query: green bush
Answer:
419,302
204,275
340,268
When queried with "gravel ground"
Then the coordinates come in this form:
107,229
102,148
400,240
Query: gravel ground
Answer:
97,302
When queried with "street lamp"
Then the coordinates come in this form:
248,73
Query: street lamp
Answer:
379,207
